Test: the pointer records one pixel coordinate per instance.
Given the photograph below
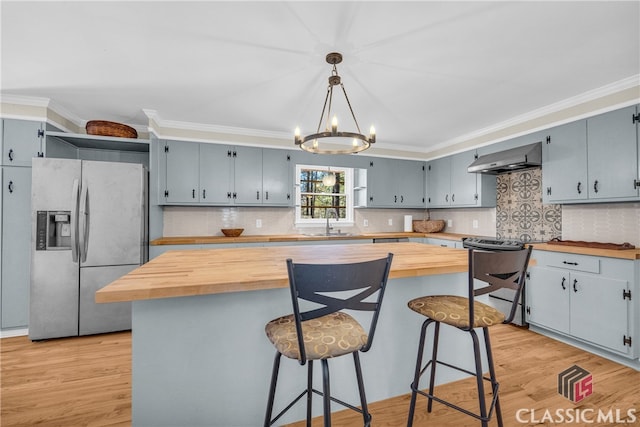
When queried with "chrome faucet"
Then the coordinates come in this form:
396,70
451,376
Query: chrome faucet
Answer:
335,213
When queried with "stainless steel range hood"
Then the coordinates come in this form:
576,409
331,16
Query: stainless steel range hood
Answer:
519,158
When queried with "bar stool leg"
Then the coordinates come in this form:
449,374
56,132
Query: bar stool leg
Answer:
326,393
492,374
479,379
416,376
272,389
309,391
363,399
434,358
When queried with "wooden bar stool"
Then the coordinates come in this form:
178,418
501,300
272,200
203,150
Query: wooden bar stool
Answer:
320,329
498,270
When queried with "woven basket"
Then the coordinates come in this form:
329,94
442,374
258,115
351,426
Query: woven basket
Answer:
428,226
232,232
105,128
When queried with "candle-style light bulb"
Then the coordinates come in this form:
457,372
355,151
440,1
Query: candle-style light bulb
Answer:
355,142
372,134
334,124
296,134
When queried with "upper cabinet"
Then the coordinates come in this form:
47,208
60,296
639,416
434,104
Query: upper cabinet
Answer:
214,174
21,141
564,163
593,160
450,185
394,183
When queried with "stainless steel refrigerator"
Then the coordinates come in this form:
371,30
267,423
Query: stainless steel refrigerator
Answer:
89,227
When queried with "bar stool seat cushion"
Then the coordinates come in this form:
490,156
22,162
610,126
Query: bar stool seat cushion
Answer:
454,310
327,336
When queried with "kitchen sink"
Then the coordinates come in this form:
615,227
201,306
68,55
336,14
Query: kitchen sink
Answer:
332,234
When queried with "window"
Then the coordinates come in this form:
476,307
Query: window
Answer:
316,200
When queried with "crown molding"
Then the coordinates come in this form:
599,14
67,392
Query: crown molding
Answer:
589,96
207,128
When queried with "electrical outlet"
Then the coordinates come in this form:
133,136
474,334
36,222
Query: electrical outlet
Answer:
475,223
449,223
390,221
365,223
258,223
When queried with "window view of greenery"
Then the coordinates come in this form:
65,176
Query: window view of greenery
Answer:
317,200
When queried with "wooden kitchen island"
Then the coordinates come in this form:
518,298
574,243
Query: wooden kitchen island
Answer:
200,356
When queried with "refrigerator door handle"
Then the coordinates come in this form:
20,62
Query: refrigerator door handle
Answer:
74,221
84,222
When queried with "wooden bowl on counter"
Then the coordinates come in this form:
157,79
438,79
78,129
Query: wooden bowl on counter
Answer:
232,232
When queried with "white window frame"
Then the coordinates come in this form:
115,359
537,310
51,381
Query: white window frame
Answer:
348,221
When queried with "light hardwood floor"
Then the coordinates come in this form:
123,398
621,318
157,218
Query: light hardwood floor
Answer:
86,381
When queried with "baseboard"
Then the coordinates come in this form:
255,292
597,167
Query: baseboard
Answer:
8,333
631,363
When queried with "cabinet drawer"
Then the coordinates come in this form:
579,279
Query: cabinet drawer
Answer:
574,262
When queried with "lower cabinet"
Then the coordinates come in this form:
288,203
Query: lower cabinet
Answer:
587,298
443,242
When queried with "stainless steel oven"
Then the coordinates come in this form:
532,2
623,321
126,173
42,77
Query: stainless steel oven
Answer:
501,299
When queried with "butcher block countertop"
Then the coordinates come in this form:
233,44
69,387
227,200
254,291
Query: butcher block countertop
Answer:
631,254
199,240
215,271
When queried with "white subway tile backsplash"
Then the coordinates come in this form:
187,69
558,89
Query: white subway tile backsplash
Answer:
602,222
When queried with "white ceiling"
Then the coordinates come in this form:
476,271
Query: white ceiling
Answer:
424,73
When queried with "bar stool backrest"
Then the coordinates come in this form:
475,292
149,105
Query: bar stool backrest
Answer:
499,270
336,287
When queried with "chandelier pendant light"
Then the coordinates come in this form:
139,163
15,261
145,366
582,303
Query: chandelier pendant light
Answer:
332,141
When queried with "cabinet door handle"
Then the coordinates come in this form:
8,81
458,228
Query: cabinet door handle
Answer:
235,195
193,193
579,188
266,195
204,194
10,187
395,199
562,284
401,199
11,155
575,282
228,195
595,186
446,198
569,263
453,198
257,195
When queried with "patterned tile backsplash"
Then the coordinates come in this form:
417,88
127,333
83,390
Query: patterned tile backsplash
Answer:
520,213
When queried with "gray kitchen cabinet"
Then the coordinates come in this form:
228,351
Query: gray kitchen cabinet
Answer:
395,183
445,243
182,172
593,160
197,173
247,189
464,185
564,163
565,291
439,183
16,246
215,177
277,173
450,185
21,141
215,174
612,148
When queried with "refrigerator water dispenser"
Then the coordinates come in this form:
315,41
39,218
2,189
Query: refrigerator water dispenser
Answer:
53,230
